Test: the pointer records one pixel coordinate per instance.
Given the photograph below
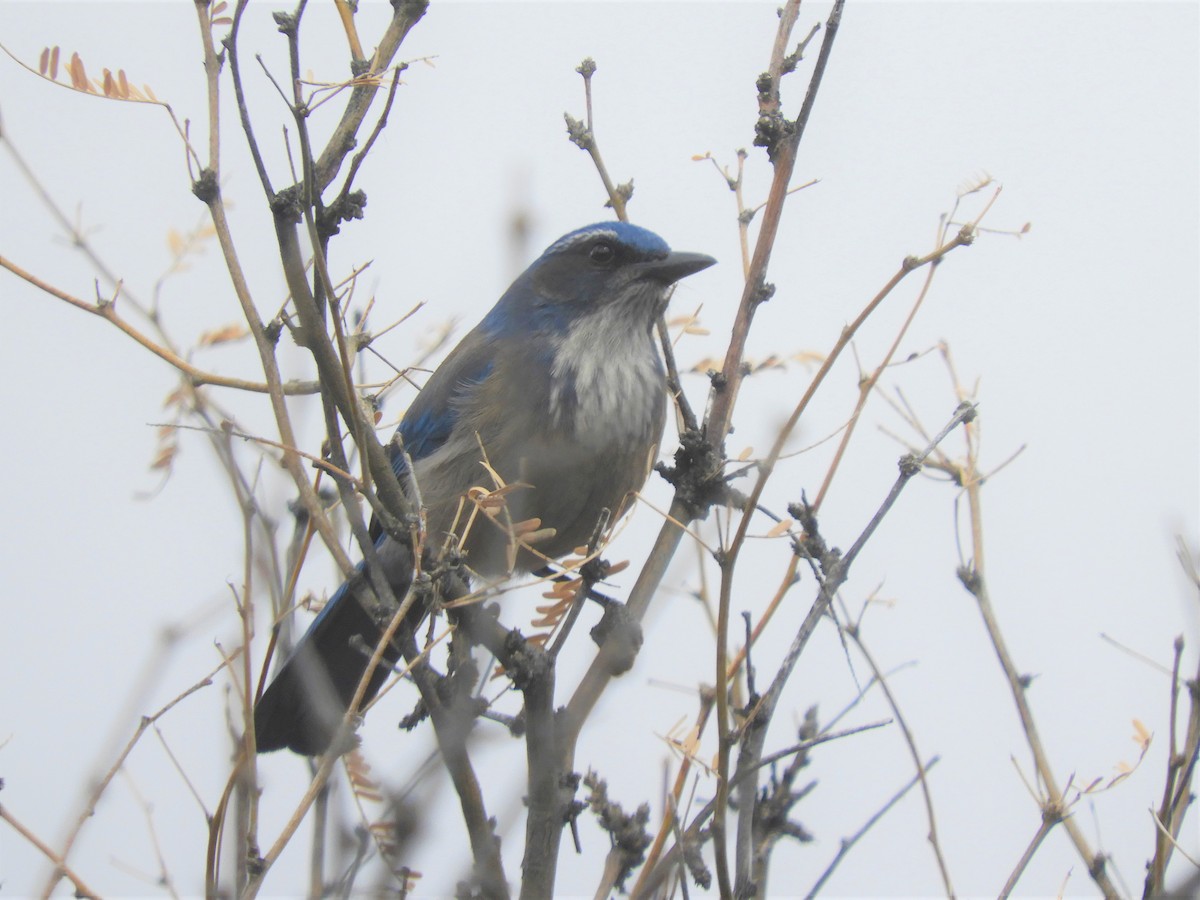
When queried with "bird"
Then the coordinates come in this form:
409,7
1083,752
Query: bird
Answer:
559,393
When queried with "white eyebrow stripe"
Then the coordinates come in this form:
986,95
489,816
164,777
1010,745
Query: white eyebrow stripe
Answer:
579,237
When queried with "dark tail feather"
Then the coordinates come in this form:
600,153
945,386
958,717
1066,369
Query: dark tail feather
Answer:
303,707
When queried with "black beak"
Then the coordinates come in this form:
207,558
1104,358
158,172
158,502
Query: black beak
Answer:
675,266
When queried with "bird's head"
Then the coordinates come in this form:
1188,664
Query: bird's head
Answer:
610,268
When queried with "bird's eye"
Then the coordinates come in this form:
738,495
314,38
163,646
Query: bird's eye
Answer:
602,254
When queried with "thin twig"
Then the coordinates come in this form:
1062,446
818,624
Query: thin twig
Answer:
855,635
89,809
719,420
822,738
973,577
61,869
197,377
1044,828
848,843
835,569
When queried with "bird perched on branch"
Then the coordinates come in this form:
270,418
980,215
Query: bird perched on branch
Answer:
558,393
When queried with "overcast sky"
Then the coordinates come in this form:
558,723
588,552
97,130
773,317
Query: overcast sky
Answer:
1083,335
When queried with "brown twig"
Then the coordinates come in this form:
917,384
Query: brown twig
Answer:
867,384
767,465
654,875
59,860
1181,760
101,786
406,14
107,310
207,189
854,632
670,818
972,574
1044,828
782,151
583,135
834,569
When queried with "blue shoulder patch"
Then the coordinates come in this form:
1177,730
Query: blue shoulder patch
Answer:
642,240
428,422
425,432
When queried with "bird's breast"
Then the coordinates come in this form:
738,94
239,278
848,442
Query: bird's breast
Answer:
571,432
607,388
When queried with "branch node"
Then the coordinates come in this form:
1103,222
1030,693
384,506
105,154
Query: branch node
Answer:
621,635
969,578
205,186
698,472
285,22
624,191
578,133
288,204
910,465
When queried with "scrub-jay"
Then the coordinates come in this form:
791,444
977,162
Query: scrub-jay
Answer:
561,393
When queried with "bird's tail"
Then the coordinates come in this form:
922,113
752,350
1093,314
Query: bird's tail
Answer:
303,706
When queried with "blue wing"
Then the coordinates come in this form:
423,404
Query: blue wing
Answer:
303,706
431,418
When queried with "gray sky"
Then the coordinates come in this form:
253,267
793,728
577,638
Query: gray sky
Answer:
1082,333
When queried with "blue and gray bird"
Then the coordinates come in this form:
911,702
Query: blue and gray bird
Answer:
561,391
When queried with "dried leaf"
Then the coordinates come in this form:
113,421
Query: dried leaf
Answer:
44,61
535,537
368,794
552,607
164,457
79,78
561,589
781,528
1142,735
485,500
54,63
232,332
526,526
